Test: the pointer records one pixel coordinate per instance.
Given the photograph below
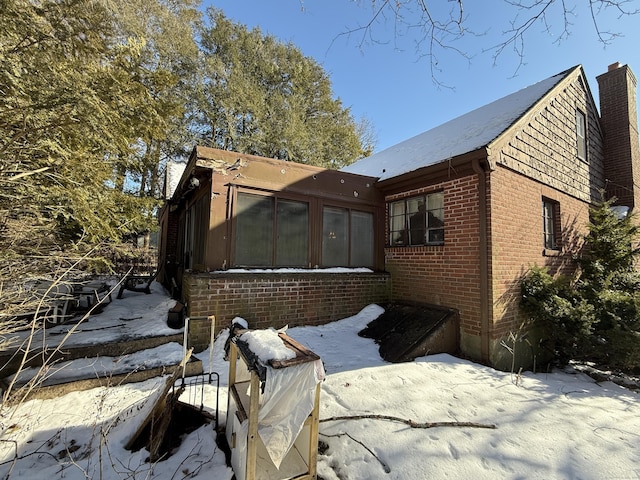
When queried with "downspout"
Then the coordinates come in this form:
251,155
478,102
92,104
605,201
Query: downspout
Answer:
485,327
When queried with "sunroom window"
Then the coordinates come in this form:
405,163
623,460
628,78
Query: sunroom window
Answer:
347,238
271,231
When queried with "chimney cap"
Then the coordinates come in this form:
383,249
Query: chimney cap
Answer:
614,66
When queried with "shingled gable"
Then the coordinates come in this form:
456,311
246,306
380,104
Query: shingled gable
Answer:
468,133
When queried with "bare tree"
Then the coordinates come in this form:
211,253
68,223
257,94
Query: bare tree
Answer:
441,26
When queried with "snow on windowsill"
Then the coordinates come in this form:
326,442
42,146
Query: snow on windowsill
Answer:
294,270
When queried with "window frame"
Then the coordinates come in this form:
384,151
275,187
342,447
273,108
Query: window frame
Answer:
315,233
551,228
350,241
581,136
275,197
196,220
406,214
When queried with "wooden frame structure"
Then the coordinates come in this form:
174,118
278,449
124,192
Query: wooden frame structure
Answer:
249,457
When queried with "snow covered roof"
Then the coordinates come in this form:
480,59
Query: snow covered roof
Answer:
464,134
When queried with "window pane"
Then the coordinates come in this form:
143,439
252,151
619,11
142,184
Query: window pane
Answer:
396,208
334,237
436,201
417,221
397,228
254,230
548,219
361,239
200,216
581,131
435,218
292,234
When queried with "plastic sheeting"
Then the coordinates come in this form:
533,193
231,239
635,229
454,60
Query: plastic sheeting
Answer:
288,399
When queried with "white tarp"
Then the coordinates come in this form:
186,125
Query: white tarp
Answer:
288,399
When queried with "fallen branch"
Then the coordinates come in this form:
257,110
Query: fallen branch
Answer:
386,468
411,423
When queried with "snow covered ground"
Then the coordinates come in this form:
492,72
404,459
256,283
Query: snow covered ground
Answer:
554,425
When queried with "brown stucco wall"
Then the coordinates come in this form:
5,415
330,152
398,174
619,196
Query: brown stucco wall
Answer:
277,299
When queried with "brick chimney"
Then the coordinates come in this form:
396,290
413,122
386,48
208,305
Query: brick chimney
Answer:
619,120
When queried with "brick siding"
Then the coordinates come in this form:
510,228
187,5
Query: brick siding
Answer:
620,124
516,233
277,299
448,274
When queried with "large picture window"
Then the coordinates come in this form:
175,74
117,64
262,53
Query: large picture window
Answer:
417,220
271,232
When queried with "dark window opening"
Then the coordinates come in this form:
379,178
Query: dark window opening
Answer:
271,231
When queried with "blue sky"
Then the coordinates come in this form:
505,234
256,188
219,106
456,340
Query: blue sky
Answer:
384,78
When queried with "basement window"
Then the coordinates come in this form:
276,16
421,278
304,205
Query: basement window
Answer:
417,220
581,131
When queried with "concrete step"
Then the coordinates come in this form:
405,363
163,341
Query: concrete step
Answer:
59,378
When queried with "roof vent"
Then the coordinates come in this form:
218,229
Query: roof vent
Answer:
614,66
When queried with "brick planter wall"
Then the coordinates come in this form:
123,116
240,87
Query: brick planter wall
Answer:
277,299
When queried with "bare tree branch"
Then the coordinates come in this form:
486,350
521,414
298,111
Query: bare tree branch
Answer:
409,422
440,30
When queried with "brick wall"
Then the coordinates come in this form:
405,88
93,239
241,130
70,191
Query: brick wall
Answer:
540,160
516,238
620,124
277,299
449,274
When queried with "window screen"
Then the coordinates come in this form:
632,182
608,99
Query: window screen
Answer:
292,241
335,240
254,230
